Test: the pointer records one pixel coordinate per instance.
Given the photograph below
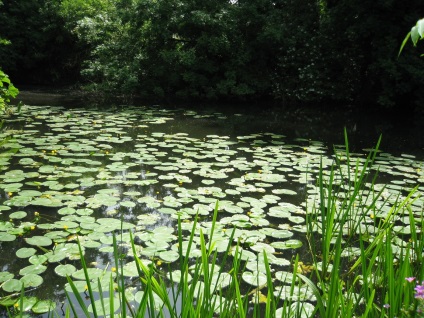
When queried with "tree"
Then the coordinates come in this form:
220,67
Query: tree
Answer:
41,50
7,91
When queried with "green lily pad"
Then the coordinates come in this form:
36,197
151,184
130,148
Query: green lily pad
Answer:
39,241
25,252
65,270
28,303
12,285
93,273
37,259
169,256
18,215
254,278
128,204
32,280
43,306
6,237
99,306
4,276
66,211
287,244
33,269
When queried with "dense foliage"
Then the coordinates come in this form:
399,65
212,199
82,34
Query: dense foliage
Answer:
7,91
41,49
303,50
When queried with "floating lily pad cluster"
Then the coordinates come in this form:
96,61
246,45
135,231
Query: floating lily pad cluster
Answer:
91,173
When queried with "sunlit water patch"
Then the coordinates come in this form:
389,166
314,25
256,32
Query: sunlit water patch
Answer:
69,174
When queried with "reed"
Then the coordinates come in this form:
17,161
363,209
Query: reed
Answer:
376,282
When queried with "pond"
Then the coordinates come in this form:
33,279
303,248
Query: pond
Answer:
69,173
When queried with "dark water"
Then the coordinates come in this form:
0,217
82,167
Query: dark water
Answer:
401,132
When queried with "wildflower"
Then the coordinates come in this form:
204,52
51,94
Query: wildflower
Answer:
36,214
159,263
410,279
419,289
16,305
65,227
86,287
32,228
113,269
386,306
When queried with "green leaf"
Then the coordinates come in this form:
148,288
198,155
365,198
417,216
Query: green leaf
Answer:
5,276
420,27
65,270
28,303
39,241
43,306
6,237
18,215
32,280
25,252
33,269
12,285
415,36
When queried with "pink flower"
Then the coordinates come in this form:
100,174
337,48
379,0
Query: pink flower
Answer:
410,279
419,291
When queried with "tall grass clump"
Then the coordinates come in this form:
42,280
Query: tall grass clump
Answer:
209,285
363,267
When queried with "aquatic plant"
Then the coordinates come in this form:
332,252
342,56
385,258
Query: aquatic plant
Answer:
207,287
84,176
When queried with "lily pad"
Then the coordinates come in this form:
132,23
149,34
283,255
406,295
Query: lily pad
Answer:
28,303
12,285
6,237
4,276
169,256
287,244
33,269
254,278
25,252
93,273
18,215
43,306
32,280
65,270
39,241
